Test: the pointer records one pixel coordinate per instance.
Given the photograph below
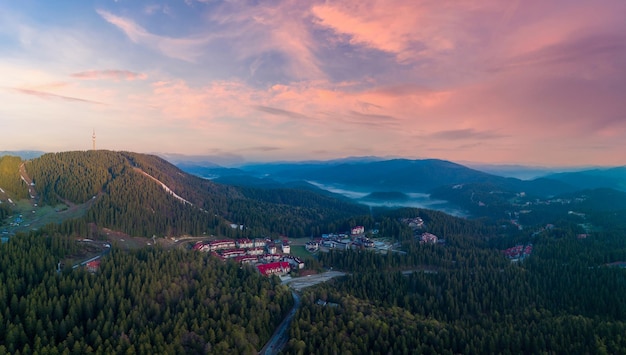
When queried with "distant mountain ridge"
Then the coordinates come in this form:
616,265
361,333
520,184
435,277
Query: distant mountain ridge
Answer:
24,154
614,178
473,190
402,175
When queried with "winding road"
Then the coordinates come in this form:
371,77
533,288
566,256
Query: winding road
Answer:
279,338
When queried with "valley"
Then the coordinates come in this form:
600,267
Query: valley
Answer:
513,265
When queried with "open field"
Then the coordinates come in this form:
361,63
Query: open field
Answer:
301,252
34,217
298,241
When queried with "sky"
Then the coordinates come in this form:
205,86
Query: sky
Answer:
531,82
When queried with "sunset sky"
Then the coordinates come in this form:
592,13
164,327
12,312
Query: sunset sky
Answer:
525,82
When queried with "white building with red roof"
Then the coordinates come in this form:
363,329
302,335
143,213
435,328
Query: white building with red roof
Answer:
276,268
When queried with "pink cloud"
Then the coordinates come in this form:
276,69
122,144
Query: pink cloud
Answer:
47,95
254,31
503,81
109,75
411,30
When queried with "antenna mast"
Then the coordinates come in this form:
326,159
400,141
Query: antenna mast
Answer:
93,138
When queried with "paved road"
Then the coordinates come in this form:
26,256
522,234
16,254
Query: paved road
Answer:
279,339
84,262
299,283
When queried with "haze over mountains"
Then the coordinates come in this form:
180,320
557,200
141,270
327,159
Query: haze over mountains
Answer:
578,177
371,181
357,178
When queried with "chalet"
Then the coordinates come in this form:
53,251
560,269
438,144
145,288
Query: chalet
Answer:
232,253
245,243
286,248
414,223
259,243
255,251
198,246
357,230
312,246
337,245
518,252
276,268
93,265
246,259
429,238
270,257
271,248
294,261
222,244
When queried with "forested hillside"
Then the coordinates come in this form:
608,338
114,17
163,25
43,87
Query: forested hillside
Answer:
74,176
466,297
148,301
10,180
124,191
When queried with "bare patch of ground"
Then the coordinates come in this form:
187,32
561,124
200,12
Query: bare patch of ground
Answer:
299,283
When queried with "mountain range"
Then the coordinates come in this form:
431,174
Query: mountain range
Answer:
477,193
141,194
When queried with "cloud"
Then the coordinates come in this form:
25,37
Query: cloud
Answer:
261,149
280,112
457,134
263,38
186,49
116,75
154,8
47,95
371,117
576,51
411,30
282,31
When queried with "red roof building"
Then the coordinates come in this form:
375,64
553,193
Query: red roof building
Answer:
276,268
222,244
93,266
231,253
246,259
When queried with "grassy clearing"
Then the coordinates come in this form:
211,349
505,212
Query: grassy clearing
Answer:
36,217
301,252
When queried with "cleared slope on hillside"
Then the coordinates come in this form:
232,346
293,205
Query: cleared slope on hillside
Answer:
128,189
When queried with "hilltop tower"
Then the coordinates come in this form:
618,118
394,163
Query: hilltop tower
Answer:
93,139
